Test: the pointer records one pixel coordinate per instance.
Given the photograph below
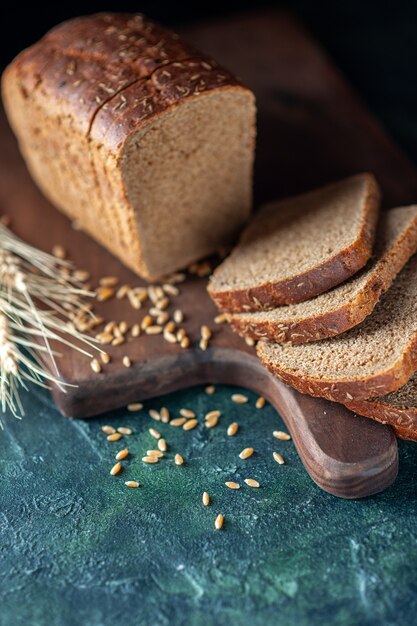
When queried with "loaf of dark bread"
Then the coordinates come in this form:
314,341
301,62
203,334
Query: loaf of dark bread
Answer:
146,142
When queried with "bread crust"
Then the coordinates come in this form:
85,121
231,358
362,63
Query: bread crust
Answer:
314,281
102,78
380,384
403,419
348,314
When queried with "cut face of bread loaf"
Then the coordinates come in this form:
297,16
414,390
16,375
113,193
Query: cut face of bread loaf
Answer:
346,305
300,247
134,133
398,409
368,361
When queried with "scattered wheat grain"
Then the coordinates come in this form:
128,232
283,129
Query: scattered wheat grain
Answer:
156,434
59,252
156,453
116,469
125,430
114,437
95,366
278,458
219,521
162,445
135,332
190,424
134,406
108,281
178,421
251,482
260,403
132,483
109,430
279,434
105,357
154,330
239,398
154,414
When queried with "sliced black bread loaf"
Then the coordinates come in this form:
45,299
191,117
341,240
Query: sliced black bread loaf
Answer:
371,360
300,247
346,305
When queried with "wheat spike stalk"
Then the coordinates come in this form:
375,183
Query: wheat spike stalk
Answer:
39,303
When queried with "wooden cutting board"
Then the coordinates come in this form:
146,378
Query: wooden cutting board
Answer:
311,129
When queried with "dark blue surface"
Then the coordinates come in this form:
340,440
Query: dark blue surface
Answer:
78,547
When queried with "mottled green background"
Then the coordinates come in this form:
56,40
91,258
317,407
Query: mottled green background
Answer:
78,547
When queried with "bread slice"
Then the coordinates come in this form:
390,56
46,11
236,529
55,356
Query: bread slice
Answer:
346,305
148,143
300,247
368,361
398,409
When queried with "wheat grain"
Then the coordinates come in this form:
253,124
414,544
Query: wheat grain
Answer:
206,499
122,454
109,430
150,459
212,414
239,398
278,458
164,414
232,429
251,482
218,522
59,252
105,357
190,424
178,421
246,453
157,453
134,406
135,331
132,483
116,469
95,366
162,445
125,430
232,485
178,316
279,434
260,403
114,437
